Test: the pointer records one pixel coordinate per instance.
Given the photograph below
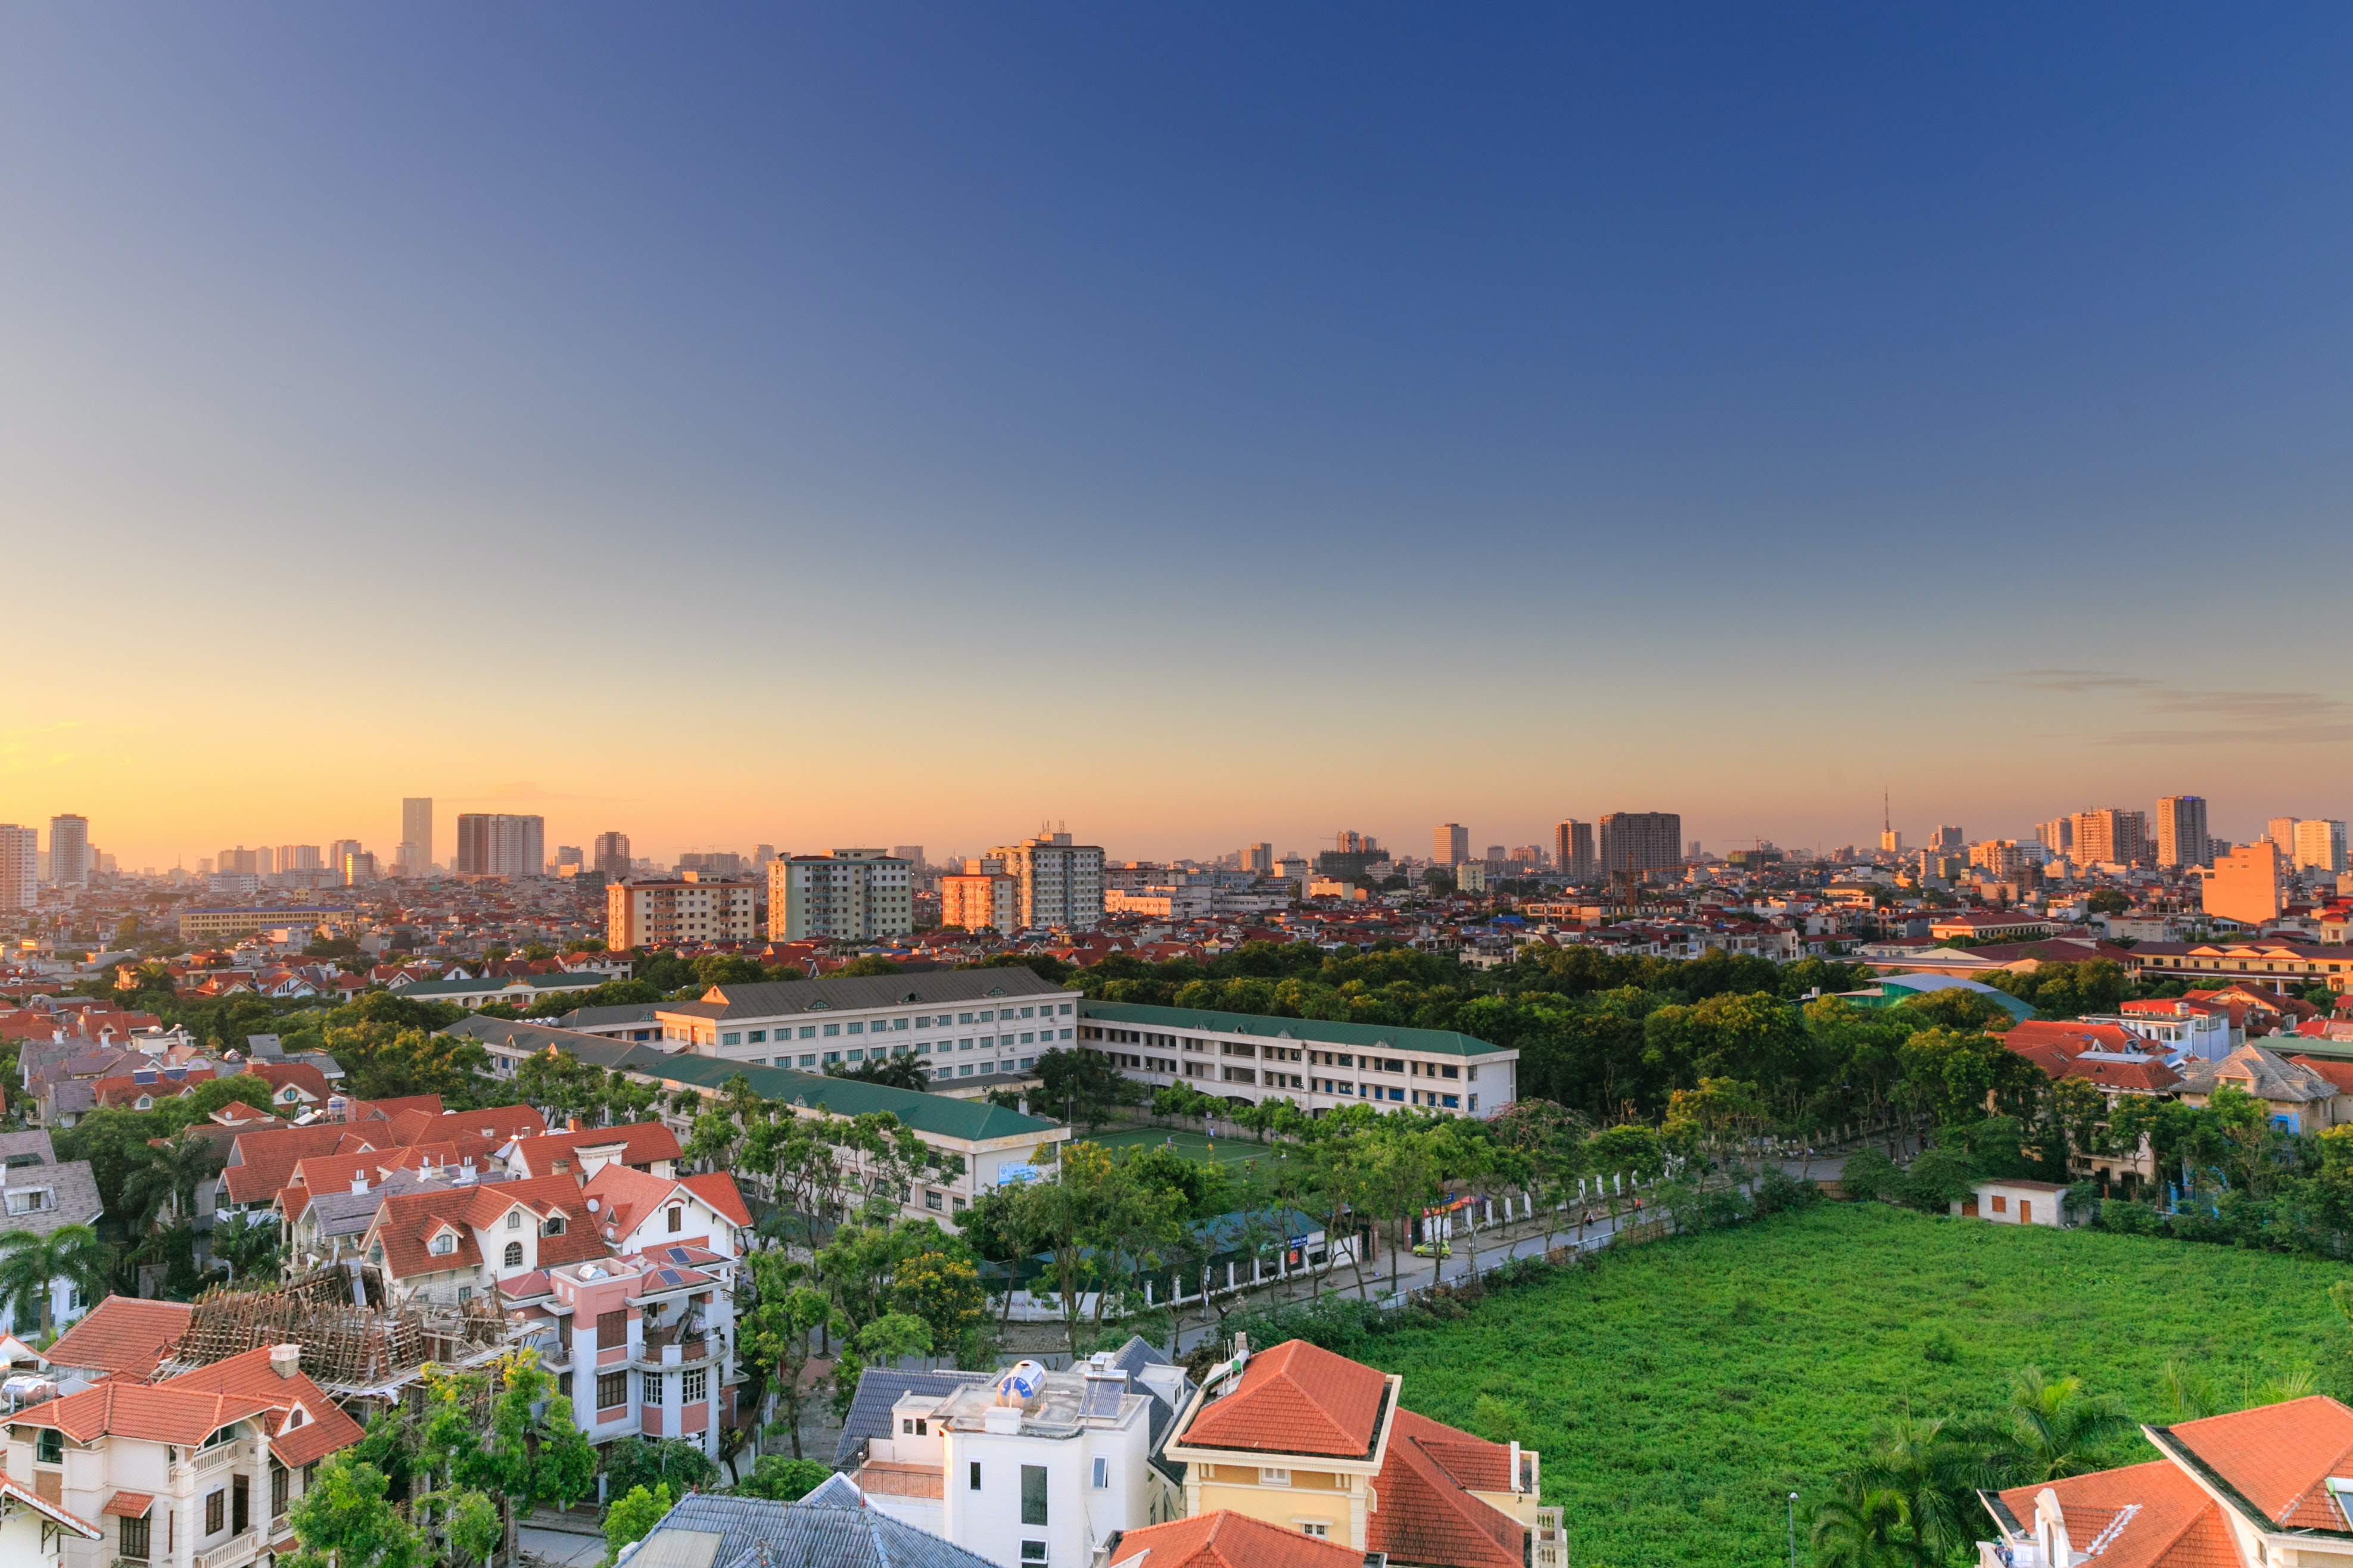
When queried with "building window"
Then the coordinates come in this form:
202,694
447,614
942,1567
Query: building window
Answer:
831,1030
612,1389
514,1255
652,1395
1314,1528
1033,1494
514,1219
444,1244
216,1513
676,1219
1268,1476
279,1478
49,1447
1102,1473
1033,1552
612,1328
931,1200
692,1385
758,1037
132,1540
976,1475
554,1226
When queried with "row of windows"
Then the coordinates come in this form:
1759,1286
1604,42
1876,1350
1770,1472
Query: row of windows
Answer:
879,1025
613,1389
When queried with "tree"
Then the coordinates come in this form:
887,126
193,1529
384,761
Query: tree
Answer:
1084,1086
713,1136
881,1342
247,1245
1861,1526
780,1479
788,1313
167,1184
894,1073
533,1451
941,1288
639,1462
2056,1429
632,1517
344,1517
30,1264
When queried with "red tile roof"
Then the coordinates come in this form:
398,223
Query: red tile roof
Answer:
2173,1525
43,1506
260,1163
1223,1540
2279,1457
1296,1398
406,1222
129,1505
1426,1516
156,1413
718,1189
308,1427
123,1336
643,1143
2336,1070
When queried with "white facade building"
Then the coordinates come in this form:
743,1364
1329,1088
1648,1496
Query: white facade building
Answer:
964,1023
1061,882
651,913
20,867
844,895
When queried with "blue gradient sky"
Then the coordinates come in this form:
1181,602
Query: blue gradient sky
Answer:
892,424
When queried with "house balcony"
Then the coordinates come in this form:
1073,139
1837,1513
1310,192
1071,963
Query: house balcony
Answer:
670,1347
1548,1546
233,1552
204,1462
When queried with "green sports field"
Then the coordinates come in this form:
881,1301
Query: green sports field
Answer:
1192,1145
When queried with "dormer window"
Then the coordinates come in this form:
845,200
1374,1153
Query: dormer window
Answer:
560,1166
444,1244
296,1419
514,1219
554,1226
676,1219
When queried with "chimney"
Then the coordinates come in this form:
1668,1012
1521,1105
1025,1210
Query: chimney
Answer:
286,1360
359,1185
573,1125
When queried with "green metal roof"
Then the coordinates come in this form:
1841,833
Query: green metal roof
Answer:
1318,1031
972,1119
467,987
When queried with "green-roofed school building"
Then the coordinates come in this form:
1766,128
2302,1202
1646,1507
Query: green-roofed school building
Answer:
514,989
1246,1057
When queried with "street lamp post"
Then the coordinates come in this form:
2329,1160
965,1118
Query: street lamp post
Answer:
1793,1530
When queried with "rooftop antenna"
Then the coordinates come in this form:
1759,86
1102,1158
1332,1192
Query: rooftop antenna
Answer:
1886,817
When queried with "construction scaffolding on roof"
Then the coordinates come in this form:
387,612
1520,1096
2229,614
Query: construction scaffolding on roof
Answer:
352,1344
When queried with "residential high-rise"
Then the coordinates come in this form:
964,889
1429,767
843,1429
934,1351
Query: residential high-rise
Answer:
240,862
612,854
2112,835
297,857
416,835
337,852
1450,843
567,856
2057,835
2320,845
20,867
70,851
844,895
976,898
1949,841
1061,882
2181,832
912,854
358,868
2281,832
1259,857
2245,884
498,845
1572,850
1642,842
648,913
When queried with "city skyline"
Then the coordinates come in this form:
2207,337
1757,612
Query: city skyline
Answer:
1746,385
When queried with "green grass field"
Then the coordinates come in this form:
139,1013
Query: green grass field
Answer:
1680,1391
1192,1145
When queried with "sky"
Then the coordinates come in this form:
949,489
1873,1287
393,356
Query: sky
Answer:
1199,426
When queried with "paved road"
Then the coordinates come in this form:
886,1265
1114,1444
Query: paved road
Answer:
560,1548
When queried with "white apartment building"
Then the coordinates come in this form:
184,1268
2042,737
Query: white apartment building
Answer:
2320,845
491,844
966,1023
1317,1064
1036,1470
648,913
1061,882
844,895
978,898
20,867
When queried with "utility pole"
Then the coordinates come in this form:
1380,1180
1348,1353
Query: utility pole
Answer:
1793,1530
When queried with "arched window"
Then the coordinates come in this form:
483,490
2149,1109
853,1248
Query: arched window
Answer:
444,1244
514,1254
676,1218
514,1219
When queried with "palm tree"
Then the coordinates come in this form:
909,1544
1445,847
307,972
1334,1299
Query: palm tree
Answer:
2055,1427
30,1264
1861,1526
174,1169
1936,1469
247,1246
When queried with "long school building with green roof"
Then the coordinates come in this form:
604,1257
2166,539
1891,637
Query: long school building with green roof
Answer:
1318,1065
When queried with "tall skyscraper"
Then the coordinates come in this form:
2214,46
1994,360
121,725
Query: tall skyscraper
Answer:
2320,845
1949,841
494,844
415,835
1450,843
1259,857
70,851
1642,842
611,855
20,867
2057,835
2181,832
2112,835
1572,850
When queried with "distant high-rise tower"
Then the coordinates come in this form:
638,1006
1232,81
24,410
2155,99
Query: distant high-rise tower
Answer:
20,867
2181,832
499,845
2320,845
2057,835
1642,842
1450,843
1572,850
2112,835
70,851
1949,841
612,854
414,855
1259,857
2280,831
